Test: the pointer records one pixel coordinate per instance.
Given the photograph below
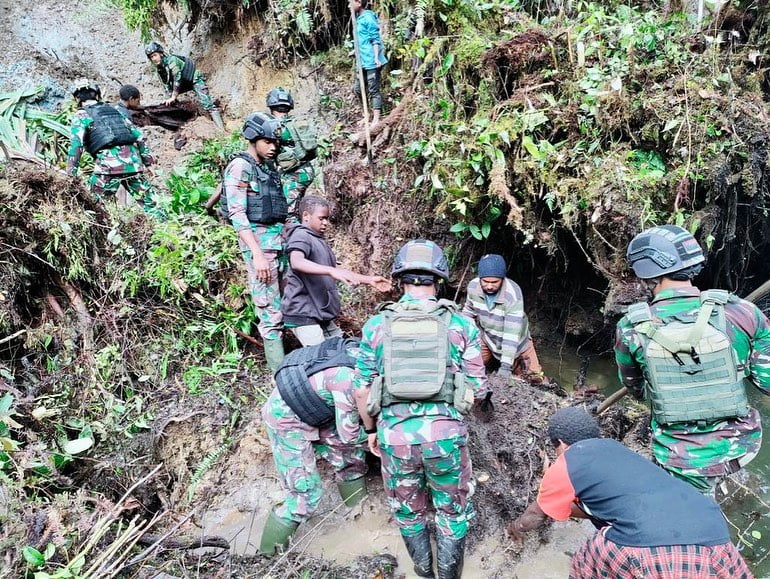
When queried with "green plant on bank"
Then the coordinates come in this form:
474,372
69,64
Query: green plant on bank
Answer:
138,14
193,183
29,133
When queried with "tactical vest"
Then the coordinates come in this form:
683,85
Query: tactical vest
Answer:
109,129
266,203
692,370
187,76
415,350
293,374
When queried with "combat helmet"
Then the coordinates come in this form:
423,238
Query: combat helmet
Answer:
420,255
279,97
664,250
153,47
261,126
83,86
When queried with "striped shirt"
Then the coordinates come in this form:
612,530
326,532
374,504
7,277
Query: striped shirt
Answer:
504,326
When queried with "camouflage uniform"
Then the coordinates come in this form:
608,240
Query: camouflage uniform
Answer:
114,166
702,453
423,444
295,181
174,66
266,296
341,443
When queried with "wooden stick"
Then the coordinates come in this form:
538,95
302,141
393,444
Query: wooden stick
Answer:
362,84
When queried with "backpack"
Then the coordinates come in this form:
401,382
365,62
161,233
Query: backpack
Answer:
415,357
691,367
302,145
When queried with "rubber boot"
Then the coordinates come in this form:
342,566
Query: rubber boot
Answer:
274,354
216,116
352,491
276,533
451,553
418,547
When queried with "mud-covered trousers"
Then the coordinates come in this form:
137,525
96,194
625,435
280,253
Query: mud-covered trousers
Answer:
295,461
441,471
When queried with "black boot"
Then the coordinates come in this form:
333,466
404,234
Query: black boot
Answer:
418,547
451,553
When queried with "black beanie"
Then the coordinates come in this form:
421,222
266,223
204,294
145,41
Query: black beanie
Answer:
492,265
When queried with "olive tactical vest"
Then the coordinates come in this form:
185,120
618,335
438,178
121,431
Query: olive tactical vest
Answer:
266,203
109,129
295,370
692,370
416,352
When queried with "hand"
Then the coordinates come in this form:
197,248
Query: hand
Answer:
515,532
261,268
170,101
374,446
380,283
377,61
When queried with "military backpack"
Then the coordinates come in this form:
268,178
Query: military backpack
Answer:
416,358
301,147
691,366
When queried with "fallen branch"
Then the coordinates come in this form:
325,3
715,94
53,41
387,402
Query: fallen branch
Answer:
12,336
169,543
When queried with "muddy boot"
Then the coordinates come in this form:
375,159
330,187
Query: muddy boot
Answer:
418,547
352,491
276,533
274,354
216,116
450,552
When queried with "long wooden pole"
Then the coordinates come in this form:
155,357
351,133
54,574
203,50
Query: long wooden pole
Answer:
361,83
613,398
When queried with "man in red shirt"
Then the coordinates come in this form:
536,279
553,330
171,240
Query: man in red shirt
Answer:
649,523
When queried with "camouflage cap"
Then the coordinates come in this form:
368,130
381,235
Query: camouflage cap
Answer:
663,250
420,255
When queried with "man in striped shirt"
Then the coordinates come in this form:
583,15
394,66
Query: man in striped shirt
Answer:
496,304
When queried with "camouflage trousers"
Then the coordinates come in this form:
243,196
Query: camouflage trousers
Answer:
104,186
202,92
295,184
411,472
708,484
267,296
295,461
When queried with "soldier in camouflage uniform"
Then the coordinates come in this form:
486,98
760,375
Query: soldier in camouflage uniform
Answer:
295,163
312,410
422,441
253,202
719,432
178,74
117,146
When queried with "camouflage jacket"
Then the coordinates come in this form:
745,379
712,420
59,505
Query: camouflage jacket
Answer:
421,422
503,324
173,66
334,386
237,177
708,446
119,160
